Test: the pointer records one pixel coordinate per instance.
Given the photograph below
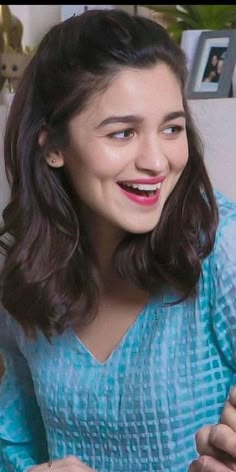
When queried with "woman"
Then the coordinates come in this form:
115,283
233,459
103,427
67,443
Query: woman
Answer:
119,271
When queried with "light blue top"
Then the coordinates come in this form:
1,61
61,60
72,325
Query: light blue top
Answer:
139,410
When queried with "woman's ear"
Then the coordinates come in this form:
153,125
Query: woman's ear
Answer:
53,158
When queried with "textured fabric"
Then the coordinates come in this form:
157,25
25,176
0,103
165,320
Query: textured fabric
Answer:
139,410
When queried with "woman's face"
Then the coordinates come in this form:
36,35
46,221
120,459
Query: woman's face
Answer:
128,149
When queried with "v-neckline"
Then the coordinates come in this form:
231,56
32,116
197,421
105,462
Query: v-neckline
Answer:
92,358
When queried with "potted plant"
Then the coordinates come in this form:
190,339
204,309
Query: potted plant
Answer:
180,18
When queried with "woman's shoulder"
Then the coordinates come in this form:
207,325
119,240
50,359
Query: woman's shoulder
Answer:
226,207
6,321
10,330
226,229
222,259
223,256
7,328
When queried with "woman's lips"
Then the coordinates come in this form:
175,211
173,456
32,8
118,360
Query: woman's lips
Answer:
142,191
149,196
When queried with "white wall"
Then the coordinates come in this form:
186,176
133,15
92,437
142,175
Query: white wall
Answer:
69,10
216,121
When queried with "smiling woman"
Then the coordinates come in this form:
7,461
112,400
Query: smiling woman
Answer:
118,286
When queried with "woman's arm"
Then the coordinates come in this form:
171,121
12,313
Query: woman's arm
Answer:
22,436
216,444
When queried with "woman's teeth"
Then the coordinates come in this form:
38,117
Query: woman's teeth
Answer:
144,187
141,189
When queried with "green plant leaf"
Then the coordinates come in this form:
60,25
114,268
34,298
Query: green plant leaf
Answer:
197,16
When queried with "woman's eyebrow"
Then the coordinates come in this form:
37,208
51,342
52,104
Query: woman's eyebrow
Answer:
173,115
138,119
120,119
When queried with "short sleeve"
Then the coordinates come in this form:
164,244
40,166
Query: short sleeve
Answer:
22,435
223,278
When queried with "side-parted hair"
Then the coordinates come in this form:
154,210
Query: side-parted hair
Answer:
49,277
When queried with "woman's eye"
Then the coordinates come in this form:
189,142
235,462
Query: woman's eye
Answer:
124,134
173,130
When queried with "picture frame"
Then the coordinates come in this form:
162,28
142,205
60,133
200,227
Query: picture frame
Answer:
213,65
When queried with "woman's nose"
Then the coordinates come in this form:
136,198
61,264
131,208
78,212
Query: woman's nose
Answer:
151,156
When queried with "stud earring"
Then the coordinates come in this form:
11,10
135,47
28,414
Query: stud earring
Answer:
53,161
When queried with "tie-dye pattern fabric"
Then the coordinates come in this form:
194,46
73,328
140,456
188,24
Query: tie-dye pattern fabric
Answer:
139,410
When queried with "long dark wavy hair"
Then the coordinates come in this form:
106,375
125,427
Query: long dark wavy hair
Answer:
48,280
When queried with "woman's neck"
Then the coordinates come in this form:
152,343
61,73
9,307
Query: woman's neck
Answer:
104,239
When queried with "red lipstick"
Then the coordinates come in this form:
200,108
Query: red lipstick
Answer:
142,196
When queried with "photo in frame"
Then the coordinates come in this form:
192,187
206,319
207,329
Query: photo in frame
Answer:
213,66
